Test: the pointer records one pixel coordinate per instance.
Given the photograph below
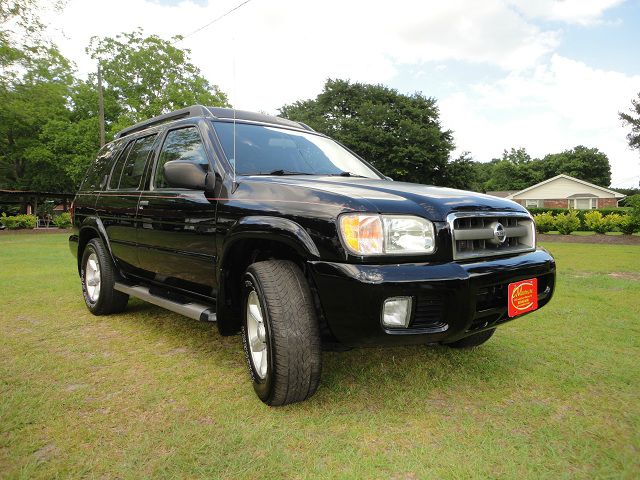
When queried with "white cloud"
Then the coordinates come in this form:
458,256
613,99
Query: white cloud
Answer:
283,50
559,105
582,12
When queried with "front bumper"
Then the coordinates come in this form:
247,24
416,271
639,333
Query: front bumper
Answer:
451,300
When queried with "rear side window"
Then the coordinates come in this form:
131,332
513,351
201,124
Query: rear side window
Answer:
116,173
136,160
99,169
180,144
129,168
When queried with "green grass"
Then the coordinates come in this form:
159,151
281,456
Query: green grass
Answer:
151,394
580,233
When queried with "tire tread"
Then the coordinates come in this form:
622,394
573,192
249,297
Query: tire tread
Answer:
296,344
110,300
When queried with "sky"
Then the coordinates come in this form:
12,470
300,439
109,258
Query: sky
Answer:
545,75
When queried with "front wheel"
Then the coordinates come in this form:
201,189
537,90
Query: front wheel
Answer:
280,333
473,340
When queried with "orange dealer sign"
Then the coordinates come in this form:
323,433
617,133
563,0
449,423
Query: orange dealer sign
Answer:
523,297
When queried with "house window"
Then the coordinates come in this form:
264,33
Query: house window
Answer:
532,203
583,203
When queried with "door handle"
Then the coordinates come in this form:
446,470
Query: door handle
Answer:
142,204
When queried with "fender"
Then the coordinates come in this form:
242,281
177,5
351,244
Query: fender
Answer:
271,228
95,224
259,227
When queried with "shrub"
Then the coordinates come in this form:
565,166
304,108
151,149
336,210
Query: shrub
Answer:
544,222
567,222
19,221
603,211
613,221
63,220
582,213
596,222
633,201
629,224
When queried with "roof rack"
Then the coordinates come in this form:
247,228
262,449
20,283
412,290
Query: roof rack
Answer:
210,112
193,111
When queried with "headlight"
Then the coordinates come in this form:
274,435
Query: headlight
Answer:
368,234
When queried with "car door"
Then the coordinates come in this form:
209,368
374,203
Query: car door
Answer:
120,201
176,226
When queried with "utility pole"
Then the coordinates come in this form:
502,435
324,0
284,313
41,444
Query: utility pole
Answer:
100,106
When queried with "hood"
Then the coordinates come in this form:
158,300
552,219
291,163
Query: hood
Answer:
385,196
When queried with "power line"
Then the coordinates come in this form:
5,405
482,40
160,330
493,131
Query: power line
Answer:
214,20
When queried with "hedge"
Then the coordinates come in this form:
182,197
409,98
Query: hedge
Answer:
63,220
603,211
567,222
18,222
581,214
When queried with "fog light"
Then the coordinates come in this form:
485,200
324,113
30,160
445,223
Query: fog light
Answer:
396,312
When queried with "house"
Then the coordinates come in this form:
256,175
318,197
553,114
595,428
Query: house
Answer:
563,191
501,193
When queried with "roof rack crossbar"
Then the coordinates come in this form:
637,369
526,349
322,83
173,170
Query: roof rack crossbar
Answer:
193,111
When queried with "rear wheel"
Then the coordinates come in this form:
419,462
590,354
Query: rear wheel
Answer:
473,340
280,333
97,273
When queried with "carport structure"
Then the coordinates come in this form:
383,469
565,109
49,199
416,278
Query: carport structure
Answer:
29,199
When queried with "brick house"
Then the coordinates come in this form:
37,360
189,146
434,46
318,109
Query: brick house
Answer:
563,191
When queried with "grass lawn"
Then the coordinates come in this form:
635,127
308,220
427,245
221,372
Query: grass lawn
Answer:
580,233
151,394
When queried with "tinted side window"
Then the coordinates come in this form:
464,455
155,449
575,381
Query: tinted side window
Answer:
116,173
100,167
136,160
181,144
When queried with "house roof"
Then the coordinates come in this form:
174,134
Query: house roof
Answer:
502,193
562,175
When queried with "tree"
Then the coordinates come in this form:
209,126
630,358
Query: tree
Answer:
515,170
35,81
21,40
148,76
39,96
399,134
632,119
462,173
589,164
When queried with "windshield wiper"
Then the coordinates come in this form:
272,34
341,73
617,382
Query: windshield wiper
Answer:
281,171
345,174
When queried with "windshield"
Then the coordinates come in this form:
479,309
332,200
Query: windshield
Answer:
262,150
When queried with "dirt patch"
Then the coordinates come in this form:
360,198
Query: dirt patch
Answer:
45,453
175,351
606,239
626,275
75,386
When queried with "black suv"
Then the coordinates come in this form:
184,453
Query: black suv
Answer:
268,228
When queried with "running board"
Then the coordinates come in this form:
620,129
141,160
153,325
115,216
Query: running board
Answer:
197,311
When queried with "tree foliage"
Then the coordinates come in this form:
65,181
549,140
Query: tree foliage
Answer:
516,169
148,76
632,119
399,134
27,104
49,119
589,164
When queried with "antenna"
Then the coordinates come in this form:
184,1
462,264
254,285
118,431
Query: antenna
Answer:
233,73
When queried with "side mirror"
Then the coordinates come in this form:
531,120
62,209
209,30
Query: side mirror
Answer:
185,174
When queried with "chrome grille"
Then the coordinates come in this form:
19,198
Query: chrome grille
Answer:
480,234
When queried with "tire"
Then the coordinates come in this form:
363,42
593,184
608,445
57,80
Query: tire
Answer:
277,291
101,299
473,340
